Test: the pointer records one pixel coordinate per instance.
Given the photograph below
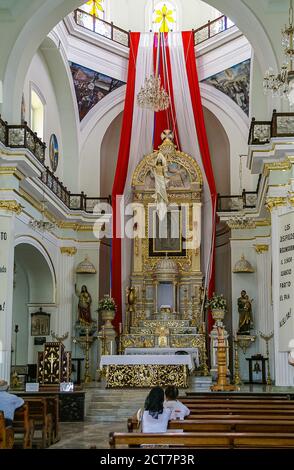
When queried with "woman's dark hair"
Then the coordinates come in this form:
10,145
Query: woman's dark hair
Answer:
154,402
171,392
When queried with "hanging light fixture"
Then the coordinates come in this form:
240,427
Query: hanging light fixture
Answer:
153,94
282,84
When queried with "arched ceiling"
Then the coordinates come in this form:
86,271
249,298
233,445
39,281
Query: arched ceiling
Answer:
22,37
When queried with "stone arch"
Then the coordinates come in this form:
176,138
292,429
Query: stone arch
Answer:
50,12
236,125
39,269
57,62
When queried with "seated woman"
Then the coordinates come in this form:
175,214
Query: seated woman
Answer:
178,409
155,417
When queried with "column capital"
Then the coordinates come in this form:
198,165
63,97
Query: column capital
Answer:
275,202
11,206
261,249
68,250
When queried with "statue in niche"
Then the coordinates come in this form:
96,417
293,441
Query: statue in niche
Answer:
245,313
159,169
163,334
84,305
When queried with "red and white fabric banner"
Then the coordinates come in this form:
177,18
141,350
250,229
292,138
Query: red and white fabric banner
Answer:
141,132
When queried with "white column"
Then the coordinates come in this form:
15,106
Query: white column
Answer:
284,373
66,294
265,316
7,228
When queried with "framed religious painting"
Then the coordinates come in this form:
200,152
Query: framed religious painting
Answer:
40,324
167,234
53,152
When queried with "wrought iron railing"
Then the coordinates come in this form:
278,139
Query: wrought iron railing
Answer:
78,202
281,125
110,31
102,27
212,28
246,200
21,136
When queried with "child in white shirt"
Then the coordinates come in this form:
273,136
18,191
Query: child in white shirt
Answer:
178,409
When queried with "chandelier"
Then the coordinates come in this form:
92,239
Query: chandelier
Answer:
282,84
42,225
152,94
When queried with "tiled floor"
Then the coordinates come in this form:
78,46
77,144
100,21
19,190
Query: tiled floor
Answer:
86,435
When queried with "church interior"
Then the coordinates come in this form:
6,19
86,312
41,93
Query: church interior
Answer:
146,221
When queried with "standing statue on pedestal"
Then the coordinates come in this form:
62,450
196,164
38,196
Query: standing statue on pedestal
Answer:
245,313
84,306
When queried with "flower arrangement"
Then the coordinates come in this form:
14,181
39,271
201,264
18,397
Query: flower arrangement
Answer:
216,302
107,303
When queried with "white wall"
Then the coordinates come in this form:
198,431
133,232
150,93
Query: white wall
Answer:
109,154
219,146
135,14
20,315
38,75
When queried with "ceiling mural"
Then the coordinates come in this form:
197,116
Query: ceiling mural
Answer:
235,83
91,87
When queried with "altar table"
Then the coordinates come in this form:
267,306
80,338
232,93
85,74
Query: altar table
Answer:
193,352
141,370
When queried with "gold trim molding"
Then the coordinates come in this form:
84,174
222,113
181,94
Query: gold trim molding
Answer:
68,250
286,165
263,223
11,171
261,249
11,206
275,202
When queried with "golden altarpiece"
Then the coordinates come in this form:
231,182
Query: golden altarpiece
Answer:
163,304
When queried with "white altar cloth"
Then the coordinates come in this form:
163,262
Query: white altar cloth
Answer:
152,359
193,352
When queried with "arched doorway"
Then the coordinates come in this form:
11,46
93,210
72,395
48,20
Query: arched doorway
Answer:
34,287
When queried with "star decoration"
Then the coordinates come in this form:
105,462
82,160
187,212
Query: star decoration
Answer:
95,7
164,16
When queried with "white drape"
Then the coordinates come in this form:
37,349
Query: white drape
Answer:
188,136
141,140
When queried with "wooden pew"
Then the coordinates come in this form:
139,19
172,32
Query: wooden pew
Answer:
133,424
240,395
24,426
202,440
234,425
38,411
6,434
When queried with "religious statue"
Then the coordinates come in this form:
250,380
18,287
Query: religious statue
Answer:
245,313
160,175
84,305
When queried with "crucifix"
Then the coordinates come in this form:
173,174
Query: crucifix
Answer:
51,360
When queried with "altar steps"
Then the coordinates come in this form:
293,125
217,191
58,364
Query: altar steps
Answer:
113,405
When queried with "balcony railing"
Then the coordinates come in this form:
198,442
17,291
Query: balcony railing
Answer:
281,125
212,28
247,200
121,36
77,202
21,136
101,27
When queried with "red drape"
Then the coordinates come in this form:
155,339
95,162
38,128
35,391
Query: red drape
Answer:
121,175
188,43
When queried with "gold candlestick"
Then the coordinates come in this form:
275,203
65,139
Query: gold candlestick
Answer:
120,339
237,379
205,366
267,339
186,313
